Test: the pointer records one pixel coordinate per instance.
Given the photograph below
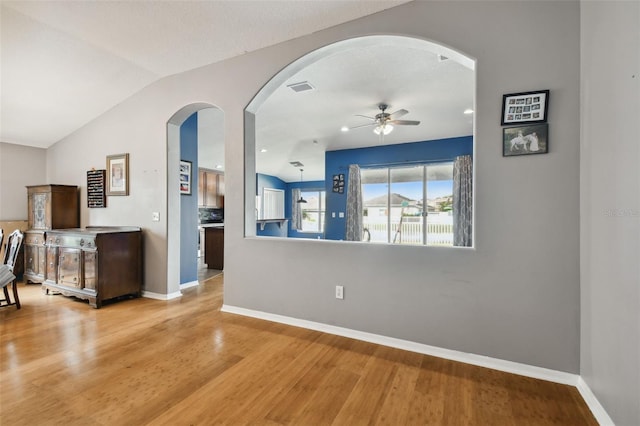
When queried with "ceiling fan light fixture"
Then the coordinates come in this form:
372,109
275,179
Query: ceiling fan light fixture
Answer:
385,129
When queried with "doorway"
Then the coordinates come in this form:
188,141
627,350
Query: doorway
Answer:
183,243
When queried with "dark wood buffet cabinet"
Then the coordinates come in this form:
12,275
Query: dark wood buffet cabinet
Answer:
94,263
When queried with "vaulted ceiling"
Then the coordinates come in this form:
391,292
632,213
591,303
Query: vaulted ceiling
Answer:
64,63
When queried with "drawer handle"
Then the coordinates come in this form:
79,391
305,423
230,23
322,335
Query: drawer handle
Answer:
81,242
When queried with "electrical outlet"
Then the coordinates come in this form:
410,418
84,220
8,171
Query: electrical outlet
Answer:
339,292
155,216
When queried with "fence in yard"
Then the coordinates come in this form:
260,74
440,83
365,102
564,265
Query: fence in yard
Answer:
439,231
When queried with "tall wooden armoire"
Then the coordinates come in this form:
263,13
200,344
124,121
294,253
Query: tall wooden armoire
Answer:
49,207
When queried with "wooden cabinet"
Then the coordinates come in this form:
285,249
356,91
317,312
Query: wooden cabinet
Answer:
49,207
214,247
94,263
53,206
34,256
210,189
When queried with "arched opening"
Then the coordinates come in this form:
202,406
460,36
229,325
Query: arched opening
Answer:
201,123
296,124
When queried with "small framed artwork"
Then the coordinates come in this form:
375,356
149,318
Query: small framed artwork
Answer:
185,177
525,140
118,174
527,107
338,183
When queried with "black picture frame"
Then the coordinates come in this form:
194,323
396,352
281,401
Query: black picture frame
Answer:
185,177
525,107
525,140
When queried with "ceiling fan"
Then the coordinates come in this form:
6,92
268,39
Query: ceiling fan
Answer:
384,121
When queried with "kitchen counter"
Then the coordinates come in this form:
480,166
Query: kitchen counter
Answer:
211,225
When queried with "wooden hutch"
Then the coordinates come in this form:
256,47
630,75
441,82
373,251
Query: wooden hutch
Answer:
49,207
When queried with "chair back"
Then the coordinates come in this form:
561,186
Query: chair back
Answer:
14,241
1,239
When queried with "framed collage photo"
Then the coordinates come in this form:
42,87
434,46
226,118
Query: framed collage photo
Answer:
526,107
185,177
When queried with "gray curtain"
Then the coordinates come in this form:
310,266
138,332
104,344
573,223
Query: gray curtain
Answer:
354,205
463,201
296,210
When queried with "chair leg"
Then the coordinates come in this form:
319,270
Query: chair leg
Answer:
15,294
16,300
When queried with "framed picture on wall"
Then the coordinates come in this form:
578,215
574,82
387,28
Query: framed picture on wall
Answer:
118,174
526,107
185,177
525,140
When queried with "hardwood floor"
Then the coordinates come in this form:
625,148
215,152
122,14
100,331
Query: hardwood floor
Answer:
183,362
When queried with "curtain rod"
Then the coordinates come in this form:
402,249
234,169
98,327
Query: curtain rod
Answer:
407,162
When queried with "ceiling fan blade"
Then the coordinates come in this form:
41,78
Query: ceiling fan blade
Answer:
404,122
366,116
399,113
363,125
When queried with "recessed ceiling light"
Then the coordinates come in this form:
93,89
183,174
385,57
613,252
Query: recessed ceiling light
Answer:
344,129
263,150
219,166
468,111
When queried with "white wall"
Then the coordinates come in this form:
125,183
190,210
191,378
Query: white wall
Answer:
515,296
610,206
20,166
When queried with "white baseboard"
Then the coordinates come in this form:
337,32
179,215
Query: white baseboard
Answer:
189,285
480,360
594,405
158,296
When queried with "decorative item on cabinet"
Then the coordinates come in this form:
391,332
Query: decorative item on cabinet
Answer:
49,207
210,188
94,263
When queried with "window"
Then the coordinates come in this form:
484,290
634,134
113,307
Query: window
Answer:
409,205
313,211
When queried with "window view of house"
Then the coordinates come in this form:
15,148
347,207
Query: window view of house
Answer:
409,205
313,211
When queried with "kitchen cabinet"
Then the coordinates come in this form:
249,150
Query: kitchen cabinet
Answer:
210,188
49,207
214,247
94,263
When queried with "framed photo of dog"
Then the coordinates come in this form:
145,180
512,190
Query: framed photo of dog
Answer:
525,140
526,107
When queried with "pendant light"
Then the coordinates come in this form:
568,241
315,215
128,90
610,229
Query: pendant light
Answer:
301,200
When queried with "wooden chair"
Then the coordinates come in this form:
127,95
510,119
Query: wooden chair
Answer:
12,249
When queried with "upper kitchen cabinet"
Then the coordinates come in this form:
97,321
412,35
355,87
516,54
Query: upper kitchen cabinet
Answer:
210,189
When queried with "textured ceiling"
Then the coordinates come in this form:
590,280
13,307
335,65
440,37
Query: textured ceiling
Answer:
63,63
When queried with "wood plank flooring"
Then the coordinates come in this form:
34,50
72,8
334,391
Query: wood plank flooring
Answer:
183,362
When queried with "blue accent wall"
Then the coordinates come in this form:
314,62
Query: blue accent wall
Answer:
189,203
268,181
337,162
